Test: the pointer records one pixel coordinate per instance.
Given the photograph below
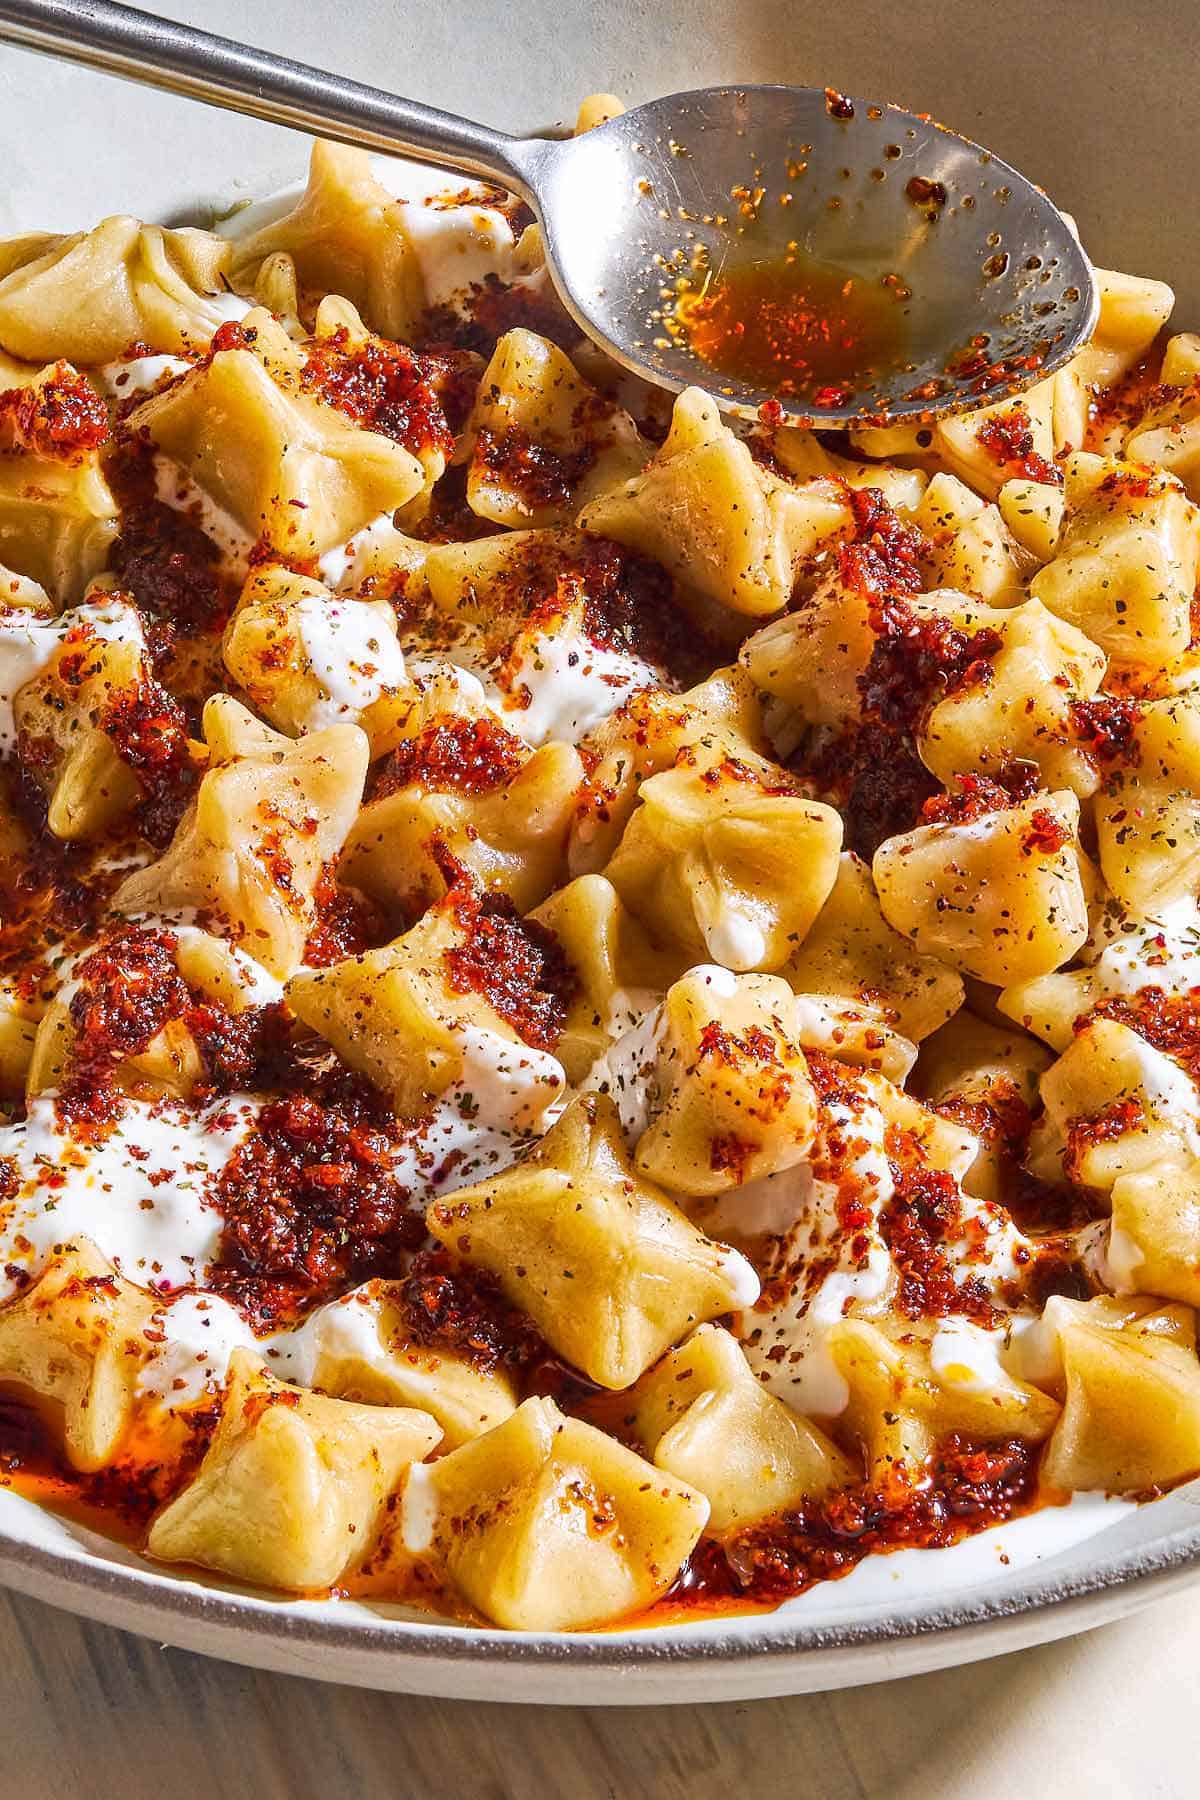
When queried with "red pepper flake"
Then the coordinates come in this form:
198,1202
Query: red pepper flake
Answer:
1045,835
923,1214
540,475
976,795
967,1487
312,1201
1008,439
884,558
383,387
449,1307
1170,1022
930,195
837,105
148,730
62,418
517,965
454,756
1107,728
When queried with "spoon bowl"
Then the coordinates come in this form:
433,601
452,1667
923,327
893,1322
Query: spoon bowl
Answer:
927,273
989,284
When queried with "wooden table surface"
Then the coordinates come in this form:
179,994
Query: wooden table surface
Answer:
92,1713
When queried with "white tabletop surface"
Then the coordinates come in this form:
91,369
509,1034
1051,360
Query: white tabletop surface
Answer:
91,1713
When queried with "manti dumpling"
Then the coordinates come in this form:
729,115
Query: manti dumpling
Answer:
543,442
1169,432
58,520
404,1016
90,296
729,863
306,658
1131,1395
1133,310
728,1098
293,1487
72,1344
968,546
607,1267
619,973
68,716
1127,560
1114,1105
725,527
363,1349
901,1406
851,951
1023,711
291,470
1000,896
703,1418
1012,437
269,814
345,236
459,784
719,718
1148,811
546,1524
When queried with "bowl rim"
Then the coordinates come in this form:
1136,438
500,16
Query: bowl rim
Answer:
85,1581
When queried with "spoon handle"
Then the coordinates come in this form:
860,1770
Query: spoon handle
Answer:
159,53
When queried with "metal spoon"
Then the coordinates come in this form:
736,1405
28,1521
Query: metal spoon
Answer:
993,287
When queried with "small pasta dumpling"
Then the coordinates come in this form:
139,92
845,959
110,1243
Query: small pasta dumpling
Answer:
58,520
294,1486
1033,512
268,816
909,1391
855,1032
619,974
1023,711
415,1015
346,235
1154,1240
1131,1406
67,718
73,1344
597,109
732,1100
968,546
459,789
306,658
729,863
544,443
1012,438
1133,310
705,1419
287,467
363,1349
803,454
850,951
720,717
1127,559
811,659
1148,811
988,1077
732,531
546,1524
19,1018
999,896
1114,1105
89,296
1168,434
607,1267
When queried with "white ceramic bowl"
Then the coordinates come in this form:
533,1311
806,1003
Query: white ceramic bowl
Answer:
1094,103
